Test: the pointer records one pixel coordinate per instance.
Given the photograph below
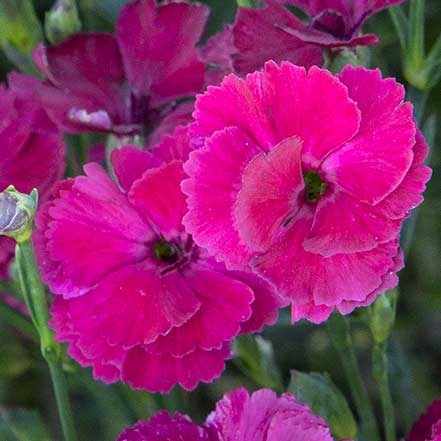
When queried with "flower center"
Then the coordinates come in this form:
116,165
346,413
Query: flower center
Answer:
315,186
165,251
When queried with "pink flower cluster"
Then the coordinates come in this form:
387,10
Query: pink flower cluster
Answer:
289,186
238,417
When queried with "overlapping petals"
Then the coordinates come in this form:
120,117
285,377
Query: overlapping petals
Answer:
239,416
127,83
305,179
138,300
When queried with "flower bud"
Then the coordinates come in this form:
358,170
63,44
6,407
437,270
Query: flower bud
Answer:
17,211
62,21
382,316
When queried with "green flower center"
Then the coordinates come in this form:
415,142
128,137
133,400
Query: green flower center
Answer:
165,251
315,186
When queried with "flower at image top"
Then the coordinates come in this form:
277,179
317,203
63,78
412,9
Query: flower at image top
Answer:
31,149
272,32
305,178
238,417
137,299
127,83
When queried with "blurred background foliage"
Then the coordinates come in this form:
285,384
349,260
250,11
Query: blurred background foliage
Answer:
101,411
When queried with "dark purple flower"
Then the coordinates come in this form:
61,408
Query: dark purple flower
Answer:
125,83
428,426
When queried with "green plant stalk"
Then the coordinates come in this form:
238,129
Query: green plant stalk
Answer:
416,32
34,294
339,331
380,369
244,3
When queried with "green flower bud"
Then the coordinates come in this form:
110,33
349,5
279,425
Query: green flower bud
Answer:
17,211
62,21
382,316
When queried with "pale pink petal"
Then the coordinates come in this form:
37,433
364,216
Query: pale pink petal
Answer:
129,163
158,47
342,224
306,277
215,178
158,196
382,148
225,304
269,195
159,373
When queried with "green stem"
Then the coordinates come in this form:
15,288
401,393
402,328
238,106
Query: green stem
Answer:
416,28
16,319
34,294
381,374
339,331
244,3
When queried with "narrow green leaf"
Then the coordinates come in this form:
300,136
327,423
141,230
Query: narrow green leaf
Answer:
401,24
325,399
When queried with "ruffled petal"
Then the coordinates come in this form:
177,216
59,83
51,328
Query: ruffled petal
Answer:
225,304
158,196
86,232
408,195
259,37
162,426
133,305
129,163
374,163
269,196
342,224
159,373
158,47
215,177
307,277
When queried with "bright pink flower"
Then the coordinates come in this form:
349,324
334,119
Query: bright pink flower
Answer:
306,178
428,426
162,426
239,417
31,149
125,84
138,300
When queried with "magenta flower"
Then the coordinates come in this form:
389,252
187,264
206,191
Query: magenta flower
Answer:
32,151
238,417
305,178
428,426
138,301
125,84
162,426
335,23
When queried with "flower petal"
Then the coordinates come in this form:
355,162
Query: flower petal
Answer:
373,163
215,176
158,47
269,195
158,196
159,373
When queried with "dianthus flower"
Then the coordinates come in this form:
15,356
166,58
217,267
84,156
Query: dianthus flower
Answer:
239,417
137,300
275,33
305,178
127,83
428,426
32,150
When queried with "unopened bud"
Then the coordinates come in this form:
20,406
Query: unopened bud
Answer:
382,316
62,21
17,211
